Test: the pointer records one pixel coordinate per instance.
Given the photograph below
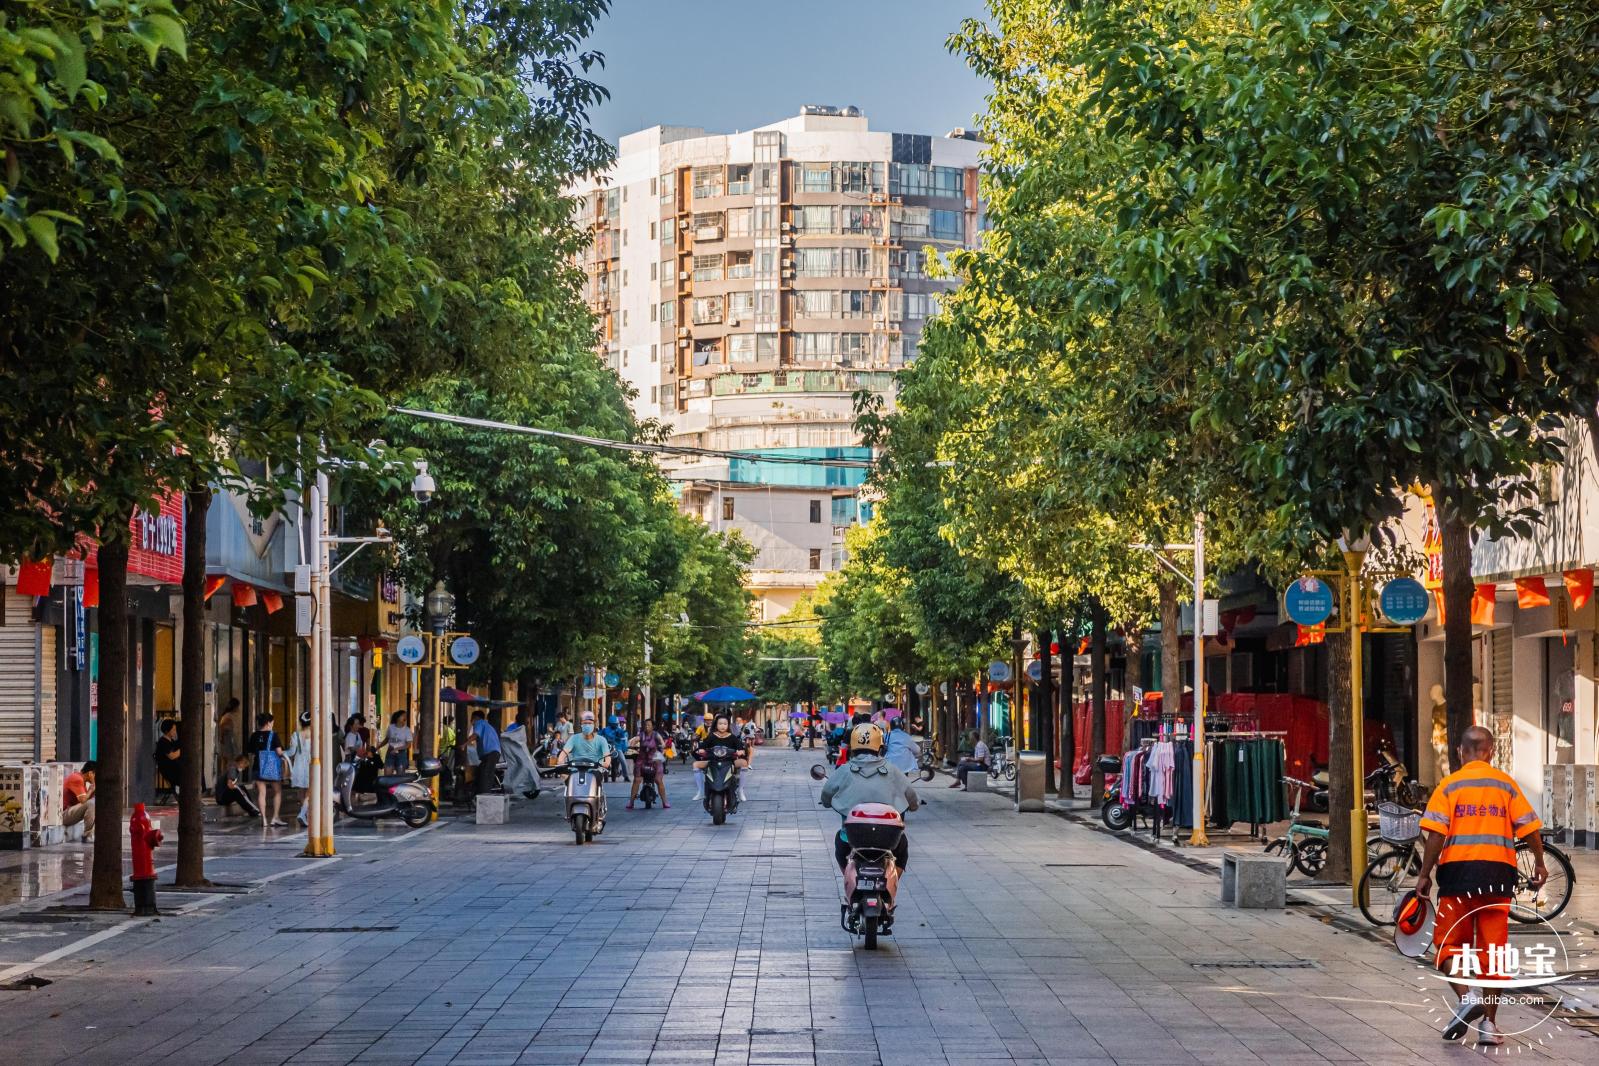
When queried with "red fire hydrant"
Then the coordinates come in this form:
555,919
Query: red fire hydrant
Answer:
145,841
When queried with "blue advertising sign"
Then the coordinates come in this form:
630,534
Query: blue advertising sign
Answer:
1404,601
410,650
464,650
1308,601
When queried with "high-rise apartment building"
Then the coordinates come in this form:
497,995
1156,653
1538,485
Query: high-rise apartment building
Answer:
748,284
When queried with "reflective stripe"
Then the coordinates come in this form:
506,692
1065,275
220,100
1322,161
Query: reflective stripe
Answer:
1433,819
1523,820
1480,782
1482,839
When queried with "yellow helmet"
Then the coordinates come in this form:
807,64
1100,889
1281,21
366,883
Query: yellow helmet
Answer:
867,737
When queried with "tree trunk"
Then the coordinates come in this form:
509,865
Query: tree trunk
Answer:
1134,674
1458,592
1097,741
1044,709
1068,711
191,721
497,692
1171,677
427,721
1340,757
105,890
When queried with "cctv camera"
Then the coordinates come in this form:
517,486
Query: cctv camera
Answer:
422,486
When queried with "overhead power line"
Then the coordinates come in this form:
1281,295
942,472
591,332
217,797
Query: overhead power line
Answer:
640,447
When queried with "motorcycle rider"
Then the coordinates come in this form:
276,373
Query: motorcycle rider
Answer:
721,733
867,778
902,751
589,745
651,748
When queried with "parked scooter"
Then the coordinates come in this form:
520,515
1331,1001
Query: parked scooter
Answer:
585,797
721,783
1113,812
871,876
403,796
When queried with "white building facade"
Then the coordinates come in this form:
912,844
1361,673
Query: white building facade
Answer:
748,284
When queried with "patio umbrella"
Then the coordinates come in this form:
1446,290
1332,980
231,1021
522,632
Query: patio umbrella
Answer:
456,695
725,694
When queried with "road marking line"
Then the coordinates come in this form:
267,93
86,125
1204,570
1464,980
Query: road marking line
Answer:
25,968
294,870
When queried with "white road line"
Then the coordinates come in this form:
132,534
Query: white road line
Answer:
291,871
25,968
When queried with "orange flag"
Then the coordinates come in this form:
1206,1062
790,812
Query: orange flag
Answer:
1579,586
91,586
271,601
243,595
1531,592
1482,605
212,583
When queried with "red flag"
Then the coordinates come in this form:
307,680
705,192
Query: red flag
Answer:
33,579
91,586
1315,634
1482,605
243,595
1531,592
1579,586
213,582
271,601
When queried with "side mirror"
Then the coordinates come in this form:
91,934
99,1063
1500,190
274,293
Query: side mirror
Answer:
818,772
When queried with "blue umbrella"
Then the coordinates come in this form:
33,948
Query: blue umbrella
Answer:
726,694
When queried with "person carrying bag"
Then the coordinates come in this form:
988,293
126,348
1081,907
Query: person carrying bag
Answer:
266,760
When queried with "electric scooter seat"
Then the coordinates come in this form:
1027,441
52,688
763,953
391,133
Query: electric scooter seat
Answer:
390,780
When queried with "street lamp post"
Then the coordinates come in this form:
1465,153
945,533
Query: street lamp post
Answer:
1354,550
437,606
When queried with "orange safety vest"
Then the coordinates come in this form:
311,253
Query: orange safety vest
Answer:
1481,813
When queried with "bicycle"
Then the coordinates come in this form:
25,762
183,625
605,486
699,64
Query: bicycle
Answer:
1000,765
1393,871
1305,840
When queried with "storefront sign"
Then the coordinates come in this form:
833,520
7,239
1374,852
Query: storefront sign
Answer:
1403,601
1432,546
410,650
1308,601
155,549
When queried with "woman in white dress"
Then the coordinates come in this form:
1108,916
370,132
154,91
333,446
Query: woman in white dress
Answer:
299,756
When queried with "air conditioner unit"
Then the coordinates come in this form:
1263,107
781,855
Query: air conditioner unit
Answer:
732,321
787,226
682,275
684,223
788,272
788,263
682,331
684,343
969,204
787,239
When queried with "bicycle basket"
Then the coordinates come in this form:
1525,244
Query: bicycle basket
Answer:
1400,825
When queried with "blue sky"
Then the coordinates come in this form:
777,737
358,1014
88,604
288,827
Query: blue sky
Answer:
729,65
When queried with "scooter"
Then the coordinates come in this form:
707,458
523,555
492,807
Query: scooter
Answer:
871,876
585,798
401,796
794,740
649,770
1114,813
721,783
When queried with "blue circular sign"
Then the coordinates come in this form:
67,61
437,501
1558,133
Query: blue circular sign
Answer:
410,650
1308,601
999,671
1404,601
464,650
612,680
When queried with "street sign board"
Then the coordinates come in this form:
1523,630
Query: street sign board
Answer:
1403,601
410,650
612,680
1308,601
1035,670
464,651
999,670
923,688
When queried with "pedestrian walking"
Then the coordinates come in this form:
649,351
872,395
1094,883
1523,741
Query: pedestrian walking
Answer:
563,729
230,736
266,760
299,755
1472,822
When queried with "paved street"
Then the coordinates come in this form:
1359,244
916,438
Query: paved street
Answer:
1024,939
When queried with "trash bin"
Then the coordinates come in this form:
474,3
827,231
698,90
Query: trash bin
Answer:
1030,781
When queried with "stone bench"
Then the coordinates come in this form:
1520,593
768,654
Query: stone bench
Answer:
1254,882
977,781
493,808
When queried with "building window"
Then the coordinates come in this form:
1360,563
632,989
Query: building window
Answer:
741,348
624,316
948,226
707,182
853,219
655,353
624,277
668,313
739,221
707,268
738,179
816,511
707,310
765,346
624,353
814,219
655,394
740,265
815,347
816,558
652,231
740,304
727,508
816,177
652,190
949,181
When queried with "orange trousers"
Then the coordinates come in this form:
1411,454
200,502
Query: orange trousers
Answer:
1470,924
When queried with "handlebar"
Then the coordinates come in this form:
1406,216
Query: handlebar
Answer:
1297,782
